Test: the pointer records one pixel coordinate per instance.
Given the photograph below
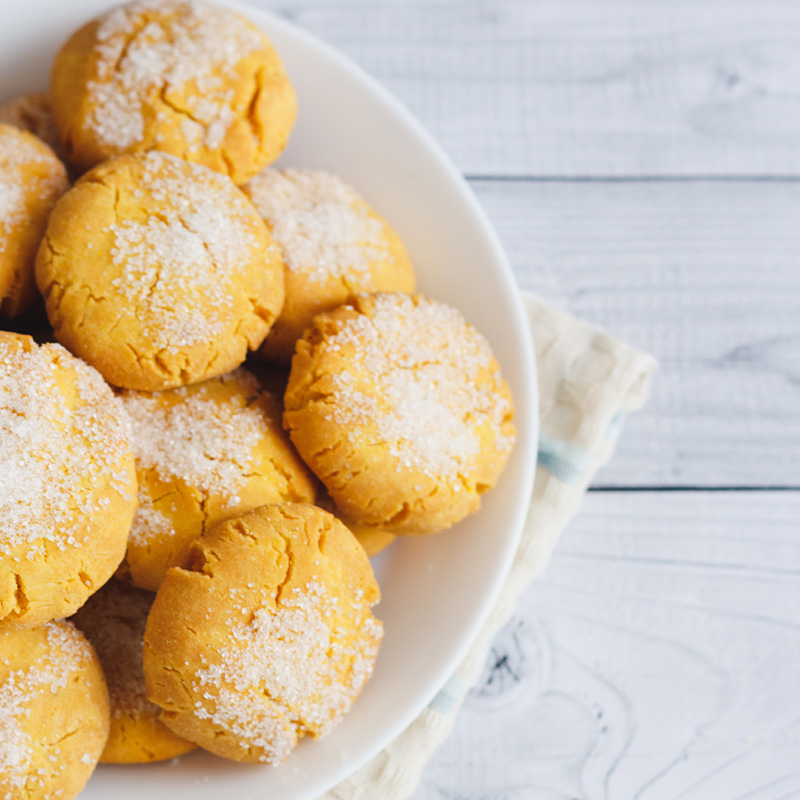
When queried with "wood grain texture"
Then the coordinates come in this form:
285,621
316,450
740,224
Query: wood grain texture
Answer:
658,657
702,274
585,87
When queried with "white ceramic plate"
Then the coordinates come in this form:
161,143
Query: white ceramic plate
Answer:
437,590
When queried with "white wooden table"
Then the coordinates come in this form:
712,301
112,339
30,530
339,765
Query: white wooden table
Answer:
641,162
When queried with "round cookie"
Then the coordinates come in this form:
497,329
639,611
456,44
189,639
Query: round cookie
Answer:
158,272
333,245
265,634
113,619
31,180
204,453
184,77
33,113
54,712
398,406
68,482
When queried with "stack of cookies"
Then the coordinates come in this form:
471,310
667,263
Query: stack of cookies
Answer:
218,397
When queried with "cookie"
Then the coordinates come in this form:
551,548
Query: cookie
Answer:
265,634
399,408
68,478
31,180
33,113
113,620
333,245
187,78
204,453
158,272
54,712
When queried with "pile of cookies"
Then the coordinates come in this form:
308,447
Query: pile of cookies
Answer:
230,400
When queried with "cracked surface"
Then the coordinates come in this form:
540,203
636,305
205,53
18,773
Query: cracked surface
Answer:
273,637
158,272
187,78
67,481
113,619
31,181
372,538
54,712
399,408
205,453
333,244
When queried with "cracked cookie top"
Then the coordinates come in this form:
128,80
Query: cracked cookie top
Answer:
204,453
31,181
67,481
333,244
181,76
54,712
397,404
113,620
159,272
264,634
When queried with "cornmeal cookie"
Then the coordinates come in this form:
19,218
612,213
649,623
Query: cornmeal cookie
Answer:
204,453
68,482
33,113
54,712
113,620
398,406
188,78
265,634
31,180
158,272
333,245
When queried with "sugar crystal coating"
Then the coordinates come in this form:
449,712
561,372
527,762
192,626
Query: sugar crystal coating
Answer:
280,638
159,272
398,405
183,76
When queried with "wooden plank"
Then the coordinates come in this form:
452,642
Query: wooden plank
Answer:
705,276
657,657
584,87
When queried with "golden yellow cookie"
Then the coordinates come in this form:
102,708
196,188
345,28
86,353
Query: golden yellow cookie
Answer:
54,712
265,634
333,245
113,620
398,406
31,180
33,113
204,453
188,78
374,540
68,482
158,272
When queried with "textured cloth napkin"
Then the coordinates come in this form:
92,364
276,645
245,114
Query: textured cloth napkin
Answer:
588,382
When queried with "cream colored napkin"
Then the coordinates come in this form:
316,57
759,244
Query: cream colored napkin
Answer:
588,382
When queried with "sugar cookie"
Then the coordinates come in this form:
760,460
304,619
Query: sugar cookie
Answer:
333,245
398,406
204,453
31,180
158,272
54,712
188,78
68,478
113,620
265,634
